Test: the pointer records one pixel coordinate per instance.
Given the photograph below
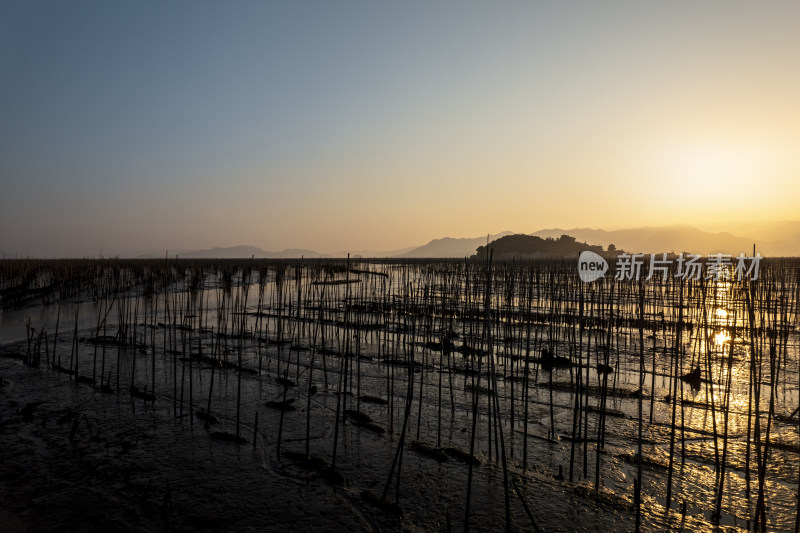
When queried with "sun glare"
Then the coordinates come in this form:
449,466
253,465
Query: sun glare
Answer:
715,176
722,337
716,171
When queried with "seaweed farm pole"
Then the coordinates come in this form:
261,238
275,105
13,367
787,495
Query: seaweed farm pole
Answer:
576,414
308,401
29,338
455,286
300,323
96,333
450,308
135,320
475,395
472,447
439,410
278,297
551,344
509,294
153,312
797,513
710,384
726,409
467,307
390,368
525,382
495,394
427,327
124,317
105,322
103,363
311,375
75,345
55,337
259,317
183,361
638,484
255,430
601,425
283,410
773,356
322,305
346,352
168,335
675,373
135,343
406,415
750,398
210,391
357,353
342,381
199,349
244,290
585,396
655,345
755,380
46,348
239,374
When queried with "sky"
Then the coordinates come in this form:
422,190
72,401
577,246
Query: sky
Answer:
132,127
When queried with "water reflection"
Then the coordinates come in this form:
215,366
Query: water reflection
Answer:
721,338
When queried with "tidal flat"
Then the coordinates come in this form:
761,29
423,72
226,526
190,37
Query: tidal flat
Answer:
330,395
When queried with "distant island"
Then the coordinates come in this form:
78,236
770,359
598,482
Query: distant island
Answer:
532,247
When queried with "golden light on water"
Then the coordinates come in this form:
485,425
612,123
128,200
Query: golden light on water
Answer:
721,337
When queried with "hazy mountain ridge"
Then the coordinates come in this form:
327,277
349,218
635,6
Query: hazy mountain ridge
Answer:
235,252
245,251
679,238
783,231
771,239
452,247
443,247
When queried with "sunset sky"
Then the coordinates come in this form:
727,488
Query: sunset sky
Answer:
128,127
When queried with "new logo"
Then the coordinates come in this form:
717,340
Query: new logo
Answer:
591,266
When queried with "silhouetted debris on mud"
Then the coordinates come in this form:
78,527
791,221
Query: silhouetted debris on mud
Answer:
227,437
316,464
205,417
693,378
285,382
366,398
550,361
604,369
429,451
136,392
286,405
388,507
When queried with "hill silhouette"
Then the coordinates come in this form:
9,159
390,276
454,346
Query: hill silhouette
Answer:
530,246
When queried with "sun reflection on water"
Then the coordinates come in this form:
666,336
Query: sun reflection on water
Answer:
722,337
